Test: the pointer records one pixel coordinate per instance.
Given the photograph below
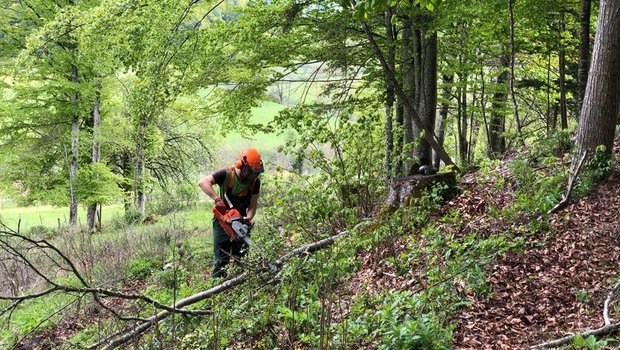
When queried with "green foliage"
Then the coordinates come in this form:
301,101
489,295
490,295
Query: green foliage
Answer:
398,320
126,219
97,184
601,163
590,343
582,296
40,231
345,147
141,268
537,191
597,169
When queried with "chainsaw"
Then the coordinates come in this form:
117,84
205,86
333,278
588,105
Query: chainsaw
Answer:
234,225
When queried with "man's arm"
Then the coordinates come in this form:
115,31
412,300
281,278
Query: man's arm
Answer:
206,185
252,208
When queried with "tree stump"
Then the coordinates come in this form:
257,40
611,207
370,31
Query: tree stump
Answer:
404,189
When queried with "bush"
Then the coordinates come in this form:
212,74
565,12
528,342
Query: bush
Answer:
128,218
172,199
44,232
141,268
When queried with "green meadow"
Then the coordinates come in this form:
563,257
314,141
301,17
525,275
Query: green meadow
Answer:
44,215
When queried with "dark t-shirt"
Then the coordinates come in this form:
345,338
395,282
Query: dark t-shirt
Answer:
231,196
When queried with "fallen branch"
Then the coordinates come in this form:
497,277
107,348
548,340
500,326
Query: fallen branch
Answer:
571,183
124,336
605,330
610,297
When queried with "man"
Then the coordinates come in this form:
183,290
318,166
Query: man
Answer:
239,187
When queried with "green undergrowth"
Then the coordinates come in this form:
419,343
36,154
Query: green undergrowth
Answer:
312,302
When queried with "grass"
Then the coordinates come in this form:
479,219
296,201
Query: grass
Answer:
49,216
263,141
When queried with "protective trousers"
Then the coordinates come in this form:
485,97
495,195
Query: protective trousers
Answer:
224,248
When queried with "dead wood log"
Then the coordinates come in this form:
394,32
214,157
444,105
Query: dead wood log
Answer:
404,189
123,337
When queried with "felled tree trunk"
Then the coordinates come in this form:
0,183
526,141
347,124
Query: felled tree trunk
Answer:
404,190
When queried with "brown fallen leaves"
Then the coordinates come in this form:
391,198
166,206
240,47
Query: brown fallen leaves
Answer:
556,286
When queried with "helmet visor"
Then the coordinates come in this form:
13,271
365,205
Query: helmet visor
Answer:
249,172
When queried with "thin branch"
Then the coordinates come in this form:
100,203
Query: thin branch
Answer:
571,183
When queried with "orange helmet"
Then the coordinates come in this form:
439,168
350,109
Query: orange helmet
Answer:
251,157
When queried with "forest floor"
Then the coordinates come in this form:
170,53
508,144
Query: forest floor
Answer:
558,288
554,287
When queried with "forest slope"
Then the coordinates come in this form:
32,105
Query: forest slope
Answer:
555,284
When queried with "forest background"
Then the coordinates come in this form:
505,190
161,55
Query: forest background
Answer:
117,108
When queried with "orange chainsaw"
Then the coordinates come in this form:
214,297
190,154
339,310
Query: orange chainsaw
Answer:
234,225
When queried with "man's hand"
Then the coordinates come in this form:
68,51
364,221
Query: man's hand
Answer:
220,206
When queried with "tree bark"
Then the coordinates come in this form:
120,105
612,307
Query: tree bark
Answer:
515,107
584,51
408,71
497,123
602,100
389,93
428,93
91,217
440,123
140,201
398,144
73,164
462,118
562,70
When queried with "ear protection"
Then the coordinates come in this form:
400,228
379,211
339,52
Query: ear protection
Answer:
239,162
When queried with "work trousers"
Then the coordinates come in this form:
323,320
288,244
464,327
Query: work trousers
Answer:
224,248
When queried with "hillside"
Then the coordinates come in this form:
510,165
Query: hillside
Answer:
555,284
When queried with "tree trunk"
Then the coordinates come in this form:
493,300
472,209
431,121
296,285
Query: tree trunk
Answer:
408,72
562,69
512,73
462,118
440,123
398,146
584,51
602,100
73,165
497,123
140,201
473,128
91,217
483,104
550,127
428,93
389,93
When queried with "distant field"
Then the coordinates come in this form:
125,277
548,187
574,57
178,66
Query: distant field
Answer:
260,115
49,216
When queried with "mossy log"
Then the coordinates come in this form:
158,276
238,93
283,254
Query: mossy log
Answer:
404,189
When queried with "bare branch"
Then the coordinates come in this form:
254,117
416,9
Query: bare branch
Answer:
575,169
610,297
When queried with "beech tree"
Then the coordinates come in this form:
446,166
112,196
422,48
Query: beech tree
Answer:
602,101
